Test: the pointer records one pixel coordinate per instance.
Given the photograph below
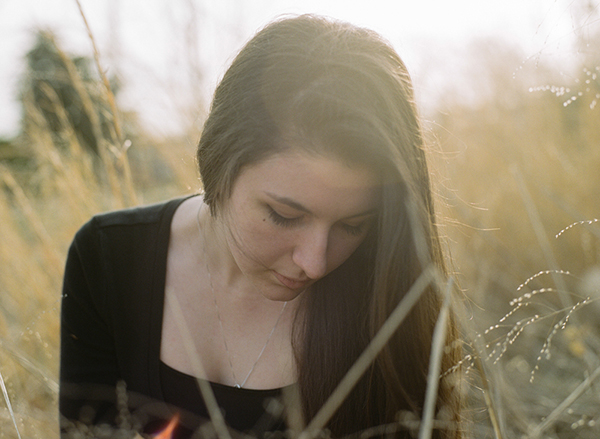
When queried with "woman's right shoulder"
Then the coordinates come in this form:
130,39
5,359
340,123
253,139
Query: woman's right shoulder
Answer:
115,245
144,214
139,216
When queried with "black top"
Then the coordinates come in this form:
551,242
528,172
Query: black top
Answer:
111,324
256,411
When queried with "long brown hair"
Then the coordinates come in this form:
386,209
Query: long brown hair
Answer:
344,92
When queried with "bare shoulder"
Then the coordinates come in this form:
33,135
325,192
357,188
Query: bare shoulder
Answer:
184,255
185,217
185,294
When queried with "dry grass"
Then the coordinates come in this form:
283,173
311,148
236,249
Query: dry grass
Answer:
42,204
522,194
519,174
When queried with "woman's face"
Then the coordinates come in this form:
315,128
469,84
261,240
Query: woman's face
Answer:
295,217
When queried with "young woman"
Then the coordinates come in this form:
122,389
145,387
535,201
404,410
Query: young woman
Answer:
316,219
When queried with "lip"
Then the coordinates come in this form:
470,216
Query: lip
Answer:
292,284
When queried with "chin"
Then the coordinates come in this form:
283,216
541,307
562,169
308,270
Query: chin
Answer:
282,294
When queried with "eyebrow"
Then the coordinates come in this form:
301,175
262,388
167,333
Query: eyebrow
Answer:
295,205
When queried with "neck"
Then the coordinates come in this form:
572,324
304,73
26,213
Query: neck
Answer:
227,276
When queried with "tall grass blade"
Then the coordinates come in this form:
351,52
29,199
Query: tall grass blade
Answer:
435,364
552,417
9,405
109,94
121,151
41,372
207,394
486,388
26,207
366,358
542,238
487,396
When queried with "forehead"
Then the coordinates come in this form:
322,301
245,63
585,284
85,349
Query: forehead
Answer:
321,183
301,165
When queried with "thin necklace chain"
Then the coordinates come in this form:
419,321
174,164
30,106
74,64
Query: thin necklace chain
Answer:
212,289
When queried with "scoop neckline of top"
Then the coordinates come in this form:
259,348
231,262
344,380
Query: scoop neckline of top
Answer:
212,383
225,386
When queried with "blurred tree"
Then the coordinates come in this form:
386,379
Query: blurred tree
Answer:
62,93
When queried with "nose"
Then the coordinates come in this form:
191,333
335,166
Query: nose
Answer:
310,253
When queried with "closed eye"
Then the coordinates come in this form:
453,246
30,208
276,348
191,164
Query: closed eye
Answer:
359,224
281,220
353,230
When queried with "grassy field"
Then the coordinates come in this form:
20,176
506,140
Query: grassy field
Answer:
519,184
512,173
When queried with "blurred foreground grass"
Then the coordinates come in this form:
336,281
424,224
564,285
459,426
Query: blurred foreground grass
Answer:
513,171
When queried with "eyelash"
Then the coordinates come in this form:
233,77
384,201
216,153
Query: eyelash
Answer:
289,222
282,220
353,230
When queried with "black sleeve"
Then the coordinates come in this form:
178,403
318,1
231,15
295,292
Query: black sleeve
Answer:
88,365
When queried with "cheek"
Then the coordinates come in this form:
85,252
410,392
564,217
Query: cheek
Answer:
258,240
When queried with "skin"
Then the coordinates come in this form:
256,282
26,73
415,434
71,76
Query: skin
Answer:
294,218
291,219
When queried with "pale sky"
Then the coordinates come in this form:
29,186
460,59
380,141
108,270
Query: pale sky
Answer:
157,45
